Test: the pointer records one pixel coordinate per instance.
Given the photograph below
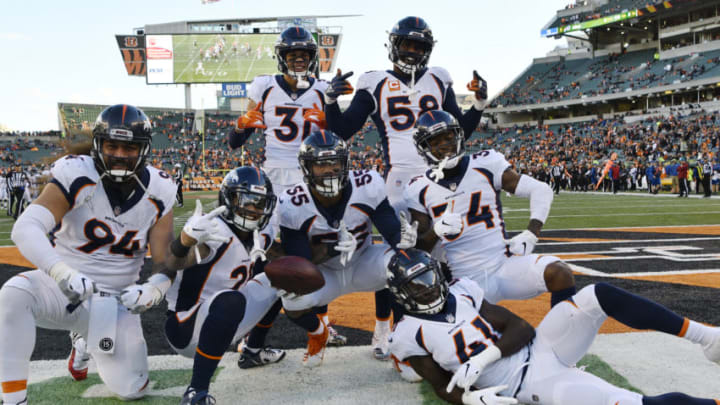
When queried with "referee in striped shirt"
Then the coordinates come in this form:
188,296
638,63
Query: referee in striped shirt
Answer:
16,183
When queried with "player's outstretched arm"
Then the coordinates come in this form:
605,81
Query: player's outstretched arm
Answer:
439,378
469,120
190,248
30,236
346,124
541,197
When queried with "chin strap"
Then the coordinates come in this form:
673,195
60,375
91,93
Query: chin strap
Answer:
437,172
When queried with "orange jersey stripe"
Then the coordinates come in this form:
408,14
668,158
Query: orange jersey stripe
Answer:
8,387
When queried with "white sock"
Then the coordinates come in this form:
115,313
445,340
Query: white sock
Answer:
326,319
699,333
17,320
382,325
319,330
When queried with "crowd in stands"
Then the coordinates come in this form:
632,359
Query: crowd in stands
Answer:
614,73
582,148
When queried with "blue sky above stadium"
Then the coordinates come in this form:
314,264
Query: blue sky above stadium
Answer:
66,50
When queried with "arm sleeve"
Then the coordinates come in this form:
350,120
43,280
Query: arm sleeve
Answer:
295,243
386,222
468,121
237,139
30,236
346,124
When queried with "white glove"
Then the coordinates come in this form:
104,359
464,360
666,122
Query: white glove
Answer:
450,223
523,243
75,286
203,228
140,298
257,250
286,295
487,396
466,375
346,244
408,233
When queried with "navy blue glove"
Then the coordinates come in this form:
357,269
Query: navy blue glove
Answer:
338,86
478,85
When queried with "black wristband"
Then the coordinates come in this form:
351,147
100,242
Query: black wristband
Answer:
178,249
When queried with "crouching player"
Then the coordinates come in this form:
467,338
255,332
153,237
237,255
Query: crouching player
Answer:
215,300
474,352
101,212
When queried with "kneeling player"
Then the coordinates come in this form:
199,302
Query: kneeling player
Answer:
458,202
474,352
101,212
211,303
333,212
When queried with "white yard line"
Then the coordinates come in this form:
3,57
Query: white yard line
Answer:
625,214
658,363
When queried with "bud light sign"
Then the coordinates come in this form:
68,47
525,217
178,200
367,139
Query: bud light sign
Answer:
234,90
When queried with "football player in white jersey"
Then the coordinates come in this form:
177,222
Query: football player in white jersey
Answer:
101,212
215,300
394,99
331,214
458,203
473,352
277,105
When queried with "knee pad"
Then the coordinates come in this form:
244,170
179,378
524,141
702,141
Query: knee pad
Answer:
229,305
15,300
586,300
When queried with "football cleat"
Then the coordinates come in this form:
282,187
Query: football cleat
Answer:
712,351
192,397
406,371
262,357
335,339
380,342
316,348
79,357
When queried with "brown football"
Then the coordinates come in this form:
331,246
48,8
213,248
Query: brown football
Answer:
294,274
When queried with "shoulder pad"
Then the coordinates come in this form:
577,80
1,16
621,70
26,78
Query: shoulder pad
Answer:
368,80
441,74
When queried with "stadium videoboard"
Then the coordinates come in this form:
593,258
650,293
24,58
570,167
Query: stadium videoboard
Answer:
209,58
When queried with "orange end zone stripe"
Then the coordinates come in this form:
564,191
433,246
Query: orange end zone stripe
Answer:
8,387
580,239
574,256
683,330
200,352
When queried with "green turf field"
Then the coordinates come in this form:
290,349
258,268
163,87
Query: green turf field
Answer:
227,66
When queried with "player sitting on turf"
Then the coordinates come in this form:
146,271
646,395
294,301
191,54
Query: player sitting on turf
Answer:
474,352
458,202
334,211
211,303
